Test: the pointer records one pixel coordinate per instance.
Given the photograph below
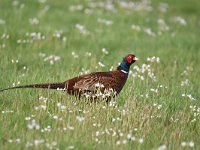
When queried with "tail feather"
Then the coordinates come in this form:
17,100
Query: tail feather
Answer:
43,86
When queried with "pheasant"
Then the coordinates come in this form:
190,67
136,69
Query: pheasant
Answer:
93,85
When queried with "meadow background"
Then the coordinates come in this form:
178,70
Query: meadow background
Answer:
51,41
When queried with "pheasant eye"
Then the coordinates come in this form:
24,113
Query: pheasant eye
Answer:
129,59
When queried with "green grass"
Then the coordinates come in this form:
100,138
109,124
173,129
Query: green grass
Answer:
152,119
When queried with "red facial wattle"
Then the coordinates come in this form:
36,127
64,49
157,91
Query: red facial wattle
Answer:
129,59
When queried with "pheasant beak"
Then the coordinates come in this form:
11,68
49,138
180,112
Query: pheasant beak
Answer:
135,58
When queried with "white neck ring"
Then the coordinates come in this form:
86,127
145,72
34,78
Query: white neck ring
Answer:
124,71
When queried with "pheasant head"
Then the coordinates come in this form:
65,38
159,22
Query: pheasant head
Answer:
126,63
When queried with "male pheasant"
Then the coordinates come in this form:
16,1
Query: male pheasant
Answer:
93,85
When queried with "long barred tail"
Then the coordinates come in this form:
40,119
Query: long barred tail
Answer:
42,86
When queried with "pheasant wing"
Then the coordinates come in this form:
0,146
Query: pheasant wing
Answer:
93,82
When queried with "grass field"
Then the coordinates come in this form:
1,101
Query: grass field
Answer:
51,41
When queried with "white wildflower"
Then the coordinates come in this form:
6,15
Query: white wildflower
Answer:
75,55
180,20
185,82
189,144
70,147
58,33
82,29
163,7
101,64
141,140
33,125
129,136
162,147
105,22
105,51
76,7
154,59
118,142
124,141
34,21
133,138
80,119
162,25
18,140
149,32
99,85
88,54
136,27
2,22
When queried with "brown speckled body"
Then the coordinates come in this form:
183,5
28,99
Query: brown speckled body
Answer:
86,83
